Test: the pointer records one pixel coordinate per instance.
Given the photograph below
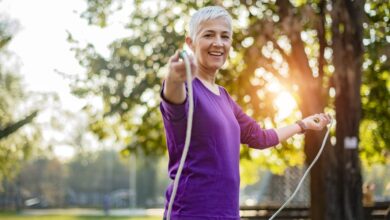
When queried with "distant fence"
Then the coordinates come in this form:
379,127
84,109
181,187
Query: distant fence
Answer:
379,211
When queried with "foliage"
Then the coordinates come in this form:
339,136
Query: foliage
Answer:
375,90
130,80
86,179
94,172
43,178
15,143
379,175
269,37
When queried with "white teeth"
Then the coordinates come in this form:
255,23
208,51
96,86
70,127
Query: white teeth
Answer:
215,53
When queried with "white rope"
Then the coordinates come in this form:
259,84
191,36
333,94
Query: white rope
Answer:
184,56
306,173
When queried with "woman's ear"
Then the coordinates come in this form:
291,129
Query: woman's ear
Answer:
190,43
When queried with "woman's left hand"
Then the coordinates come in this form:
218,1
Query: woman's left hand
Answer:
317,122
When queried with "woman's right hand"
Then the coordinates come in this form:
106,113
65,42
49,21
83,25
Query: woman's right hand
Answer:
177,69
174,89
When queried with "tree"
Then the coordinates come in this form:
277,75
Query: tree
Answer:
15,145
297,44
44,178
344,173
9,129
102,171
375,89
9,83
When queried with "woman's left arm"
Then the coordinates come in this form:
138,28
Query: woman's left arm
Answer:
314,122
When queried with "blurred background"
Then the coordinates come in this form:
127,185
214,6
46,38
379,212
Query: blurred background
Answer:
80,127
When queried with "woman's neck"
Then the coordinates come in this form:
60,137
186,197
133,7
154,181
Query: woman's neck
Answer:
206,76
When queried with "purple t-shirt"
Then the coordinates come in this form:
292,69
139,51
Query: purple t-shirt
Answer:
210,180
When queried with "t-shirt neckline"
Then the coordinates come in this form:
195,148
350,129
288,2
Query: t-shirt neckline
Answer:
208,90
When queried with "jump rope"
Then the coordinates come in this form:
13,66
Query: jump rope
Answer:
187,64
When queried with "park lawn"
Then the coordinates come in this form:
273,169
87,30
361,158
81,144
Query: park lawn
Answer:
13,216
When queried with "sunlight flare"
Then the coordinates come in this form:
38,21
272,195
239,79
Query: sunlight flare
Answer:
285,105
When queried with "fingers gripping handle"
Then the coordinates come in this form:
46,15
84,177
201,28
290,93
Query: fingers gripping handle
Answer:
183,54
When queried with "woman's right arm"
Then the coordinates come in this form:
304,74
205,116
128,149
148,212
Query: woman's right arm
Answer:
174,88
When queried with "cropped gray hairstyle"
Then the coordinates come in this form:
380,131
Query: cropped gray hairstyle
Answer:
207,13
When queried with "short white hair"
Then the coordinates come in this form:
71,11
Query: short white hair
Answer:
207,13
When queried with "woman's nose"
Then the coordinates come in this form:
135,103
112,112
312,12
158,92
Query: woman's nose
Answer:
218,41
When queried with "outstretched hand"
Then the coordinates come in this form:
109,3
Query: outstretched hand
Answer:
177,70
317,121
174,89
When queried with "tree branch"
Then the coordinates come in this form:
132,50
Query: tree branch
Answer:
15,126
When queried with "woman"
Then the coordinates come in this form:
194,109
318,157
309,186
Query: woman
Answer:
209,185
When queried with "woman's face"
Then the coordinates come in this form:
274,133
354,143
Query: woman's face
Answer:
211,44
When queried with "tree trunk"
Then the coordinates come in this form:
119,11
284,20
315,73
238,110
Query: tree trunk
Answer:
336,179
344,195
312,101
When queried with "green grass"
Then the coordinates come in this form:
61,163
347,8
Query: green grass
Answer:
13,216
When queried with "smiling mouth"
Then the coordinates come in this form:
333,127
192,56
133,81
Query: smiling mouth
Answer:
217,54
